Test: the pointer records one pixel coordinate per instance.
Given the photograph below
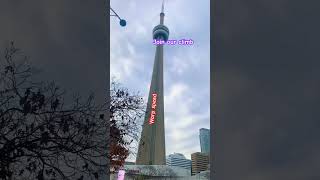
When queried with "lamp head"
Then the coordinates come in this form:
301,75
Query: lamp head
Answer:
123,22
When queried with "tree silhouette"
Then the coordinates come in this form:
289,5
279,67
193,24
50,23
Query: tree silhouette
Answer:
44,137
126,110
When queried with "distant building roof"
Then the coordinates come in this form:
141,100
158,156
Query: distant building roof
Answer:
129,163
177,155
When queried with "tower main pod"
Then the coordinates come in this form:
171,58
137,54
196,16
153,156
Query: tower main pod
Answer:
152,142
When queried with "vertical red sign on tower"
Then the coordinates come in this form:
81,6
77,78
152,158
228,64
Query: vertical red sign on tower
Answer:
153,108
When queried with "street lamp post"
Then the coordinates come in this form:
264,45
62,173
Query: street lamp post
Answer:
121,21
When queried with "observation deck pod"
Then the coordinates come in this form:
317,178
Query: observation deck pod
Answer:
161,32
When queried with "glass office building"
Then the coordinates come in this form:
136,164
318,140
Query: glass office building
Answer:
205,140
177,159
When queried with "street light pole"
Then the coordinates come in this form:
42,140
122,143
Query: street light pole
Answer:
121,21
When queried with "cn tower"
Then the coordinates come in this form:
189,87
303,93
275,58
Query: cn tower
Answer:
152,149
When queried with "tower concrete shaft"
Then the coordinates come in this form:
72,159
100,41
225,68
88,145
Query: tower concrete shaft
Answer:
152,142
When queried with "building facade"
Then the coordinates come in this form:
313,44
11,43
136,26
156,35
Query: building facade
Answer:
178,160
204,136
154,172
200,162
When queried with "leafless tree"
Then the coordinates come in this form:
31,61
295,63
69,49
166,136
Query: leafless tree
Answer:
44,137
126,111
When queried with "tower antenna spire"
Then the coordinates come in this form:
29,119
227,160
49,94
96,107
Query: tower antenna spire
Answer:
162,9
162,13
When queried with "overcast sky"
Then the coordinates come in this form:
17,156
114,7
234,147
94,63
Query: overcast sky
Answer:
186,68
